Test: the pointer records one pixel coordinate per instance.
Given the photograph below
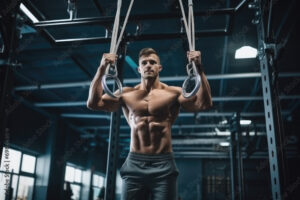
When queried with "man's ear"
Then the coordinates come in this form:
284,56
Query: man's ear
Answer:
139,70
160,67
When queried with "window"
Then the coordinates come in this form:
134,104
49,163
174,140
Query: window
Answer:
11,160
19,169
25,189
73,182
28,163
98,183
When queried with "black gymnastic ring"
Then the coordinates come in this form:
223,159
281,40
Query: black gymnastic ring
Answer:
107,90
196,88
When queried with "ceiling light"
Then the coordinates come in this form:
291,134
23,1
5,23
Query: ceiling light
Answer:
28,13
222,133
245,122
252,133
224,122
245,52
224,144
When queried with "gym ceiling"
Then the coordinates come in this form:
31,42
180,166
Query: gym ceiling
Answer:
58,57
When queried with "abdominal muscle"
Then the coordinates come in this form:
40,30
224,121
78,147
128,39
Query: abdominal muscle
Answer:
150,135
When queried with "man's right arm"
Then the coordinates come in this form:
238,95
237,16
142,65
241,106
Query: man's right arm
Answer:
96,99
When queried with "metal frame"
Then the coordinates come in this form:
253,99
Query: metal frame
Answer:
176,134
176,126
274,136
105,21
224,60
236,159
112,156
137,80
197,115
214,99
233,164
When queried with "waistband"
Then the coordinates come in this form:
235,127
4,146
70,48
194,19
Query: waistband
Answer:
150,157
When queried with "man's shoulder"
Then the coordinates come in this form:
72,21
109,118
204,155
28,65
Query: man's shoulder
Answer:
128,89
173,89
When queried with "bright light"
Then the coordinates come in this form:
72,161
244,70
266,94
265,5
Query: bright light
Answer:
69,174
78,174
251,133
224,122
28,13
10,161
224,144
245,122
28,163
222,133
245,52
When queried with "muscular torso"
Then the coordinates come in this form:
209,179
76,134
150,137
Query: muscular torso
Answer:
150,116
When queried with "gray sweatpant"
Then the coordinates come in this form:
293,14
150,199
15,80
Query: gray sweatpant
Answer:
148,177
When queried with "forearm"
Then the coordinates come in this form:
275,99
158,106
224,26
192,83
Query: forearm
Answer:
96,90
202,100
203,96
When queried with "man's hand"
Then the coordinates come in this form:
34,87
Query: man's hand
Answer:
107,58
196,57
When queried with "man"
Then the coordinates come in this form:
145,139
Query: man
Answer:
150,109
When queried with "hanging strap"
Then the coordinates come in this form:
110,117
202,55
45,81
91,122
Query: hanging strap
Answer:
189,26
111,70
114,42
190,67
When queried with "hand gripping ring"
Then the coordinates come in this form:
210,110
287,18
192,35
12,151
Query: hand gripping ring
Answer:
115,78
192,75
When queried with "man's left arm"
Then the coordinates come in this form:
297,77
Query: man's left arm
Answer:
202,99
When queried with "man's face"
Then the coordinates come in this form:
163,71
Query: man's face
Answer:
149,66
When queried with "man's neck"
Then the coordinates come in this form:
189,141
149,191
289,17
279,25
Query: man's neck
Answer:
149,84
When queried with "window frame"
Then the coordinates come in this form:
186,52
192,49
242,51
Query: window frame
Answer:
22,173
74,182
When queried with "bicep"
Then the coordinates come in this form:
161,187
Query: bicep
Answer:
185,103
188,104
109,104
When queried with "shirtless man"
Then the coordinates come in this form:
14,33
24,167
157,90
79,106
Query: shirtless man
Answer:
150,109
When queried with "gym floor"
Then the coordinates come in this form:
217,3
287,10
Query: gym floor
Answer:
52,145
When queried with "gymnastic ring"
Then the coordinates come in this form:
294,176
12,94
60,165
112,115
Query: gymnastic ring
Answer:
107,90
196,88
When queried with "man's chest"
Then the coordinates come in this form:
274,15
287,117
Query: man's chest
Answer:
153,103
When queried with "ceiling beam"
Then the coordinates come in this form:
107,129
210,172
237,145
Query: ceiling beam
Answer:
176,134
200,114
214,154
178,127
85,116
104,20
137,80
142,37
214,99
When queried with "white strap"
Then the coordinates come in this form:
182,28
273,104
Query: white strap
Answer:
115,40
124,25
189,26
115,27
